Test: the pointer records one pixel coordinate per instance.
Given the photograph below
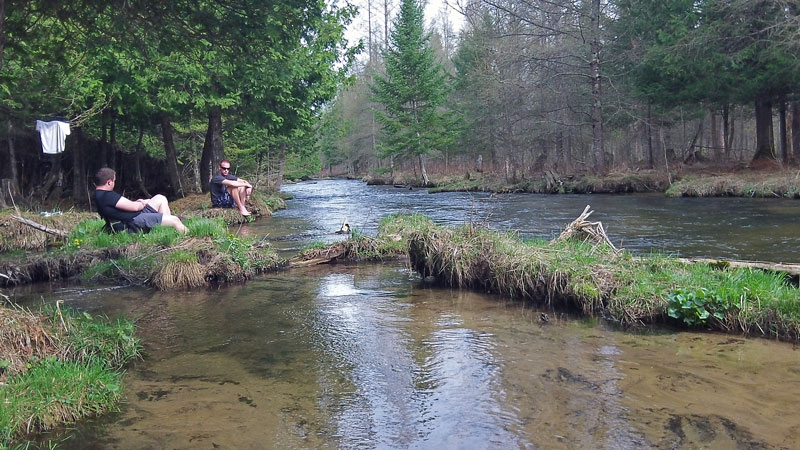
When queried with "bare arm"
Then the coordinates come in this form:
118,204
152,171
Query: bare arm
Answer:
238,183
128,205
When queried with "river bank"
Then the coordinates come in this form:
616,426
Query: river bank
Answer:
747,183
208,255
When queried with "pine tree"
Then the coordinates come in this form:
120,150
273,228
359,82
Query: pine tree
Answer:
411,92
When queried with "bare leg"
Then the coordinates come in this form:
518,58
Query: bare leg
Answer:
160,204
169,220
238,196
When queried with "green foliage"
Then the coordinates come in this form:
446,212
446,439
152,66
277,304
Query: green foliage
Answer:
412,91
238,248
696,307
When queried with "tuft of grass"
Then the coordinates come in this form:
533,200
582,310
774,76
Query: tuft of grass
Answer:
54,392
182,270
201,227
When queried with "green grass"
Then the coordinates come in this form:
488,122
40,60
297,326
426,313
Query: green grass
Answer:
80,378
214,228
54,392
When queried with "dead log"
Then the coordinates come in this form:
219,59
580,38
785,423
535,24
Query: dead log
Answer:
324,257
54,231
787,268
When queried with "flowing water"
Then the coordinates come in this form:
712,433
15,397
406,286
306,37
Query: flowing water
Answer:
370,356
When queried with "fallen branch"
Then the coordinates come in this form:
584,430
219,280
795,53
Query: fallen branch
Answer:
54,231
791,269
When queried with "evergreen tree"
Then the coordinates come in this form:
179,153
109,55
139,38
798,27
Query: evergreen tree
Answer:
412,91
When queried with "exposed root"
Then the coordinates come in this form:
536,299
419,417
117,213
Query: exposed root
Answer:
586,231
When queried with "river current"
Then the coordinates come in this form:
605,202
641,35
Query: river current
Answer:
371,356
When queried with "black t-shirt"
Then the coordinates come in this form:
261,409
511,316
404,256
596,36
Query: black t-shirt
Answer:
106,202
216,187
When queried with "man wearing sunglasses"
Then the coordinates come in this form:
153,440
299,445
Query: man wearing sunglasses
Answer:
228,191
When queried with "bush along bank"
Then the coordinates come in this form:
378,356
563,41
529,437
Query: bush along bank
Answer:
595,279
209,254
57,367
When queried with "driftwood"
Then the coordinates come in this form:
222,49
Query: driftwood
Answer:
790,269
586,231
40,227
323,257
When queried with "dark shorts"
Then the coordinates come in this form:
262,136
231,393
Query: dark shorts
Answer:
223,201
148,218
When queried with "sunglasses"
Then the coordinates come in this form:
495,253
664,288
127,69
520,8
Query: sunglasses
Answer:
224,168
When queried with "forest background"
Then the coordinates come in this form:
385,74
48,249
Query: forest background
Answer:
162,91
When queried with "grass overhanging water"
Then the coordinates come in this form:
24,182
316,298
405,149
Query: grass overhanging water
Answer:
59,366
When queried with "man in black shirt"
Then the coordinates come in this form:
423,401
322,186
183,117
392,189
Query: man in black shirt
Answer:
229,190
142,213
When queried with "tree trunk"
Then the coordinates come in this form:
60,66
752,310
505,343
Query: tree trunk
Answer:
112,145
423,171
281,161
784,145
172,157
51,188
727,135
651,159
764,144
137,163
716,146
104,139
2,31
795,130
12,158
78,183
598,149
213,152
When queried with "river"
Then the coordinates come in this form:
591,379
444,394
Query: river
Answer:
370,356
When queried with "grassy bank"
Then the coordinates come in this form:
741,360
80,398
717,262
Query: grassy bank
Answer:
208,254
58,367
750,183
610,184
783,183
16,237
594,280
